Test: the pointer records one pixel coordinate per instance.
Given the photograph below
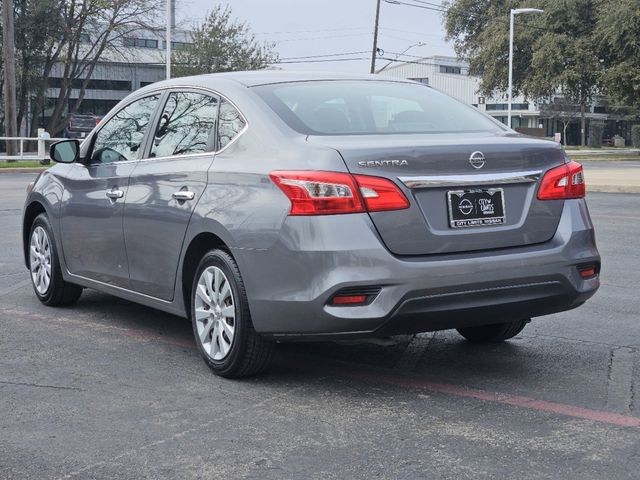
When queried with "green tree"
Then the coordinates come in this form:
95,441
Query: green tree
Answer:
618,31
555,52
222,44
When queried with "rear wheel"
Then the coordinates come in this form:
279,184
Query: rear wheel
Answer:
222,322
44,267
497,332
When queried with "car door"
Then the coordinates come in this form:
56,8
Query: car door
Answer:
95,192
165,187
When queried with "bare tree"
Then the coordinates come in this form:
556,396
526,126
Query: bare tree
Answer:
562,109
89,30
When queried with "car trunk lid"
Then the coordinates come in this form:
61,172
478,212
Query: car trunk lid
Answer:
436,173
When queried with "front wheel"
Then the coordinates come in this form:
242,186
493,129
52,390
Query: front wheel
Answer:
497,332
222,322
44,267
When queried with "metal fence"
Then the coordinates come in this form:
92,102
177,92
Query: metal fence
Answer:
40,143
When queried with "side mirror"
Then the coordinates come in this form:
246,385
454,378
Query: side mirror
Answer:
65,151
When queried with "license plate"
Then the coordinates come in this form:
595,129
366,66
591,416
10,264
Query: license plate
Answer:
476,208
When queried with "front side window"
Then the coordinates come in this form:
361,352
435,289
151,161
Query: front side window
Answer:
187,125
370,108
230,125
120,139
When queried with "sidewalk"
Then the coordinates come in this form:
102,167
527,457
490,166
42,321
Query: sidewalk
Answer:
604,151
613,180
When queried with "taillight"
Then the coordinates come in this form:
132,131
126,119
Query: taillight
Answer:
563,182
327,193
319,193
380,194
98,120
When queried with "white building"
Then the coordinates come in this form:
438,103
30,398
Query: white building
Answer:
451,76
137,62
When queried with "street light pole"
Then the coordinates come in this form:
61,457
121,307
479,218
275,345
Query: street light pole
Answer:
514,12
168,38
374,51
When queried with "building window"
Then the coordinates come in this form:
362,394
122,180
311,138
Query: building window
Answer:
140,42
121,85
175,45
421,80
450,69
505,106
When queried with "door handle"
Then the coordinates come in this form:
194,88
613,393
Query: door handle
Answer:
183,195
115,194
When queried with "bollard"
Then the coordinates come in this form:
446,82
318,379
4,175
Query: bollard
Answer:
42,150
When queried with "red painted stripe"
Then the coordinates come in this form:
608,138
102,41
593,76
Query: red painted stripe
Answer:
341,370
505,399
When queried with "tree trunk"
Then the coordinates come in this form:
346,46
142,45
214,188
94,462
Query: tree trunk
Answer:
583,125
9,57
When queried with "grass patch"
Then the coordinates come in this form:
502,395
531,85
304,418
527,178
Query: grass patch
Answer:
22,164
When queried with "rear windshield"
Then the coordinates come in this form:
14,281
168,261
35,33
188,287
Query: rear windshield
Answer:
370,107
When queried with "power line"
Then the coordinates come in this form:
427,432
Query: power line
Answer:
326,55
322,38
321,60
312,31
437,5
396,2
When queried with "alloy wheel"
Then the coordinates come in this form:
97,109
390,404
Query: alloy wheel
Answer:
40,260
215,313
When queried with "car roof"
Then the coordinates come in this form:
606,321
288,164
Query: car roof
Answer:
265,77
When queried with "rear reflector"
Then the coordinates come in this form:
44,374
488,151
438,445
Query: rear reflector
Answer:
563,182
355,296
349,300
326,193
587,271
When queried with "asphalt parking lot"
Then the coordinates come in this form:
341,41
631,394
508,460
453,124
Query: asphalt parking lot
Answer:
110,389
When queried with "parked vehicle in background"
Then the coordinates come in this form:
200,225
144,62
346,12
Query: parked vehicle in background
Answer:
80,125
275,206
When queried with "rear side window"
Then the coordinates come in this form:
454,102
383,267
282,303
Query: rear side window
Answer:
370,107
121,137
187,125
230,125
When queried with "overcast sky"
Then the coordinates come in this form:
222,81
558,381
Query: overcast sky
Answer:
320,27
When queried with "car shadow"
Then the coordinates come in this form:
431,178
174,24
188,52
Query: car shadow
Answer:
438,356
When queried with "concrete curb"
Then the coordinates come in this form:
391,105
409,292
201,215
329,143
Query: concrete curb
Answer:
613,189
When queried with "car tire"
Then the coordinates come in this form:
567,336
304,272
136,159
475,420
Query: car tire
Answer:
222,322
44,267
497,332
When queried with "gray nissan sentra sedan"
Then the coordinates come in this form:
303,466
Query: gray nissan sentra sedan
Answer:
271,206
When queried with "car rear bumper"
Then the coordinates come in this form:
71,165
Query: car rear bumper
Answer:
291,284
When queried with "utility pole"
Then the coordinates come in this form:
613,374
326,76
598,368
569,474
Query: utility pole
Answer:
374,52
170,22
9,59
